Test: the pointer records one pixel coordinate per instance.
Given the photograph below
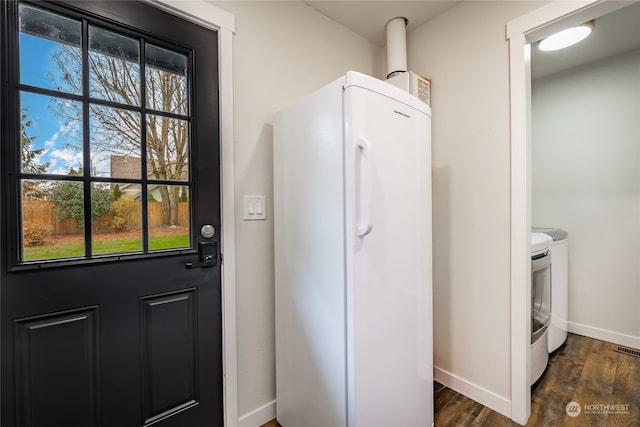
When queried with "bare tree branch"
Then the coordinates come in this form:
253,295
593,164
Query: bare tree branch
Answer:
117,131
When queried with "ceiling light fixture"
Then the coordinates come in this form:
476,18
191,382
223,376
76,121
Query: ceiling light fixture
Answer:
567,37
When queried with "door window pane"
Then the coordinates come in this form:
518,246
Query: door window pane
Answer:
117,229
50,134
50,55
167,148
169,213
84,128
114,70
166,80
52,220
115,142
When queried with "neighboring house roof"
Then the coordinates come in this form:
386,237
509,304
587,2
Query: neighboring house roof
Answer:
128,167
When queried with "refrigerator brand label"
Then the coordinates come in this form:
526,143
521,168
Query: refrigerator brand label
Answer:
402,114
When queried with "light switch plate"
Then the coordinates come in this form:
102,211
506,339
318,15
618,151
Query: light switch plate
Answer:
255,208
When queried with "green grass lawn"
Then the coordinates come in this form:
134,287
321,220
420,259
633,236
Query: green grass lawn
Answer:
104,247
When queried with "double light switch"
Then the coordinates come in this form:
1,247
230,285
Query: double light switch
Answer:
255,208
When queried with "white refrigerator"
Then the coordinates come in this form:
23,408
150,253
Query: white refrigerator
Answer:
352,229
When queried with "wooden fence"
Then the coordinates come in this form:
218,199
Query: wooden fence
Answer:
44,213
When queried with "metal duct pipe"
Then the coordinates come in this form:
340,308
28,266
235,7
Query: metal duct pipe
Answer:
396,46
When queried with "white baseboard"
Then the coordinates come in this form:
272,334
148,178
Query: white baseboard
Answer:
604,335
473,391
258,416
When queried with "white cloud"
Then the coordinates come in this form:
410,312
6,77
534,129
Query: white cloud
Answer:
67,158
69,155
69,128
62,159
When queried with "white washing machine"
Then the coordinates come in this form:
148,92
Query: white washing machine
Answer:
559,248
540,304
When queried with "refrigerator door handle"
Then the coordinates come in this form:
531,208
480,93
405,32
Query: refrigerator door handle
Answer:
363,187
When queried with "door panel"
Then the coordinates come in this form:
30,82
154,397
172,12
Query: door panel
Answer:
169,354
115,336
62,349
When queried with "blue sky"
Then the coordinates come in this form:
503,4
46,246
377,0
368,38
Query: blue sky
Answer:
56,135
60,137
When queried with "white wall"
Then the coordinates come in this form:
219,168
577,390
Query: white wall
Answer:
465,53
586,179
282,51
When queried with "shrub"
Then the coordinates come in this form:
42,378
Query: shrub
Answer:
117,192
69,197
34,234
183,195
123,213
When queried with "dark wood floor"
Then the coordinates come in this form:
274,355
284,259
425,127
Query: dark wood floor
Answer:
585,370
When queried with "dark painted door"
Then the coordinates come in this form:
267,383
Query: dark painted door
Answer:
110,276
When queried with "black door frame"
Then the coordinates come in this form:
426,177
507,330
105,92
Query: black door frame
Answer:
212,17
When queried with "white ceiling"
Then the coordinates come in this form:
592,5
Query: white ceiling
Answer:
615,33
368,18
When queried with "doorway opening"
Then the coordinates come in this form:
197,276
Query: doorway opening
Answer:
521,32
